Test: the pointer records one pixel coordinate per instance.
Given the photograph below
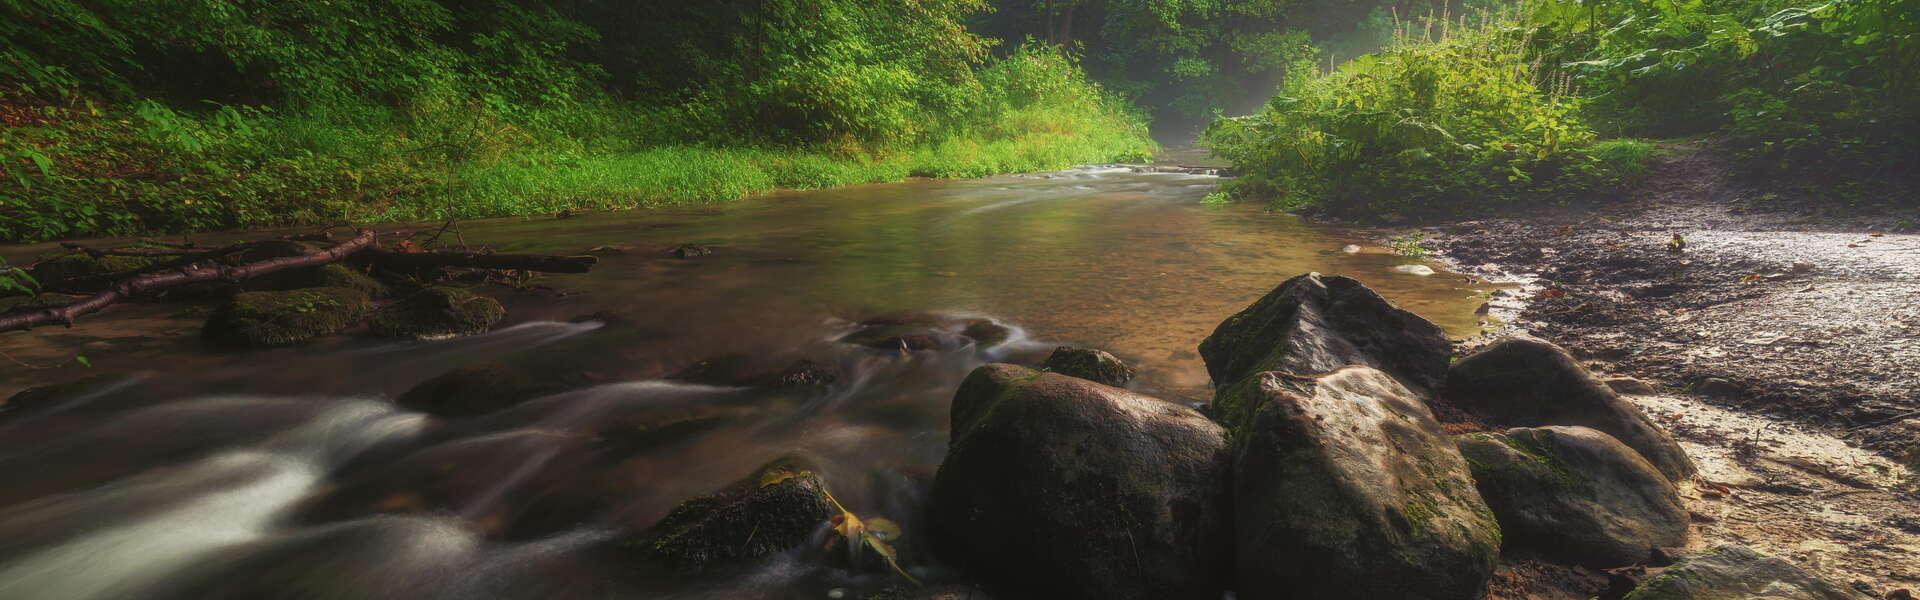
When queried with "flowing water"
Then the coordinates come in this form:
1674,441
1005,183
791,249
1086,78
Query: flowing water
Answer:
184,472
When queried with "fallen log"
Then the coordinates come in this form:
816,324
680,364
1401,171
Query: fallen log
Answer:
194,273
479,260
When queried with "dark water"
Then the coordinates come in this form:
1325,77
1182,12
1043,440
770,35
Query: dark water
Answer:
190,473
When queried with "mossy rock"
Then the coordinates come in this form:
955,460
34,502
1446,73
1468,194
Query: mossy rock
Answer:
331,275
1060,487
1344,486
1090,364
1734,572
285,318
438,313
776,508
1576,494
54,269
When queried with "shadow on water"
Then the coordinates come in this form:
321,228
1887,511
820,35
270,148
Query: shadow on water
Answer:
182,472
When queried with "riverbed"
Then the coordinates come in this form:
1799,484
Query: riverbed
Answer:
183,471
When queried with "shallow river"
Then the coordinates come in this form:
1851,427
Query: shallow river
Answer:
189,473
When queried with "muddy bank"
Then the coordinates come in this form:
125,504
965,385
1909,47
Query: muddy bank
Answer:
1778,333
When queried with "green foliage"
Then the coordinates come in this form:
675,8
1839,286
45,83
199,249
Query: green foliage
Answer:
126,117
1793,85
1185,60
15,281
1446,120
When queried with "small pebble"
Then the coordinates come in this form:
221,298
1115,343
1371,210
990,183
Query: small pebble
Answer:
1421,270
1350,249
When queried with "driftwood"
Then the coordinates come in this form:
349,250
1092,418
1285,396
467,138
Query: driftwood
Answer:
188,264
194,273
479,260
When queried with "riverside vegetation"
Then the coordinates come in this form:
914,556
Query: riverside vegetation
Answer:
1543,102
130,117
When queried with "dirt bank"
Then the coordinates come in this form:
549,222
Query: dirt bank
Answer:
1780,341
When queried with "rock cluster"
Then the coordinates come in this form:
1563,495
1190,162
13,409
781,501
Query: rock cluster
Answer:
1327,474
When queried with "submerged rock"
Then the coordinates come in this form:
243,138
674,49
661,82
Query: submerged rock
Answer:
776,508
1344,486
264,319
1524,381
437,313
750,371
690,251
1064,488
486,387
1318,323
1576,494
916,332
1090,364
1736,573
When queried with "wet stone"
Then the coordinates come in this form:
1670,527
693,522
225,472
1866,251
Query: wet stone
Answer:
776,508
437,313
265,319
1090,364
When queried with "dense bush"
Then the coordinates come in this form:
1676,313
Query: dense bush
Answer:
1793,85
125,116
1448,119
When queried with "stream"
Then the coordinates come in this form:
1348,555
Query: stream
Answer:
186,472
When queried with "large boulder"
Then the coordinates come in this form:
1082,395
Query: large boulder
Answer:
777,507
437,313
1318,323
1576,494
264,319
1525,382
1737,573
1090,364
1059,487
1344,486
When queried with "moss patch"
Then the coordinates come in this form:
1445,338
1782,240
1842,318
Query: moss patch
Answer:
265,319
438,312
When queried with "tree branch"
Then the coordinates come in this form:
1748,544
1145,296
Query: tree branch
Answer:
195,273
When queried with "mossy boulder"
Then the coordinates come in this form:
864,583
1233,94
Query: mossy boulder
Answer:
1525,382
777,507
1318,323
285,318
1344,486
437,313
1576,494
1737,573
54,269
1090,364
1059,487
331,275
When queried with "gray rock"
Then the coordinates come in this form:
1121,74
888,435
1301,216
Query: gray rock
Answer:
1576,494
1737,573
1630,385
1527,382
1346,487
1090,364
1317,323
1063,488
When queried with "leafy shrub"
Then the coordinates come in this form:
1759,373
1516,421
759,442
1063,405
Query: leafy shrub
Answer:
1446,122
1793,85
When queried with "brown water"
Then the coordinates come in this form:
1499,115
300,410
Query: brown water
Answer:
192,473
